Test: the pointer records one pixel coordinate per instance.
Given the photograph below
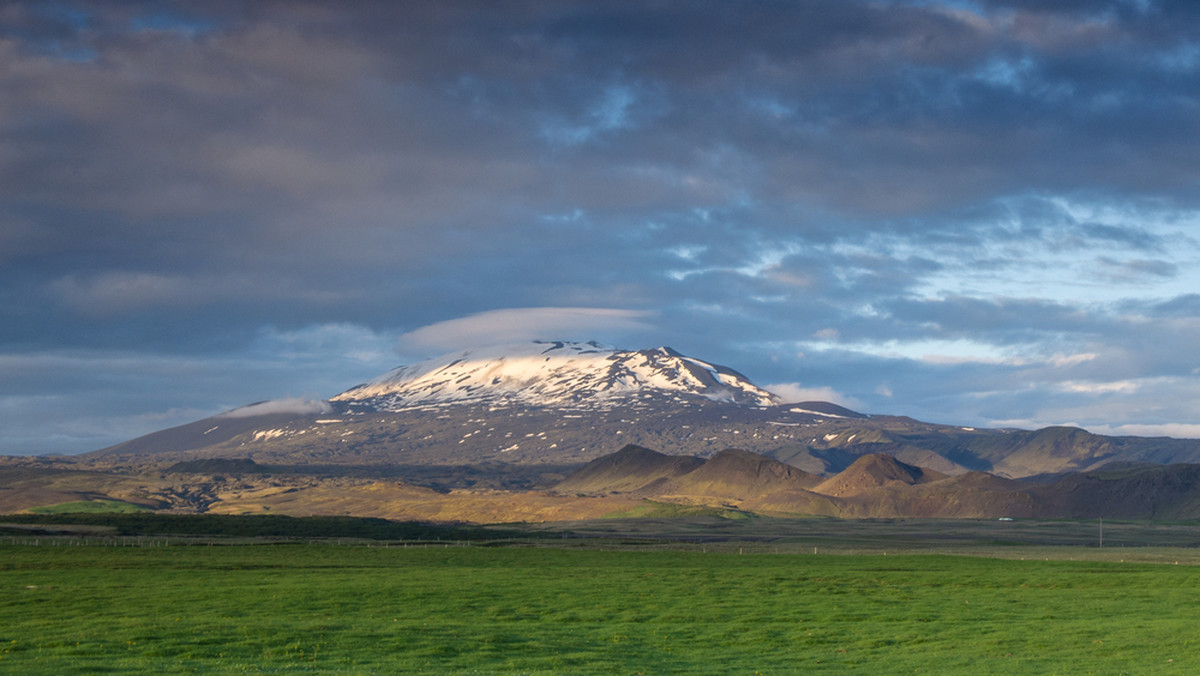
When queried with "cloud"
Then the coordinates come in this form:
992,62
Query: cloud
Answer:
120,292
298,406
1123,386
316,343
1187,305
514,325
1135,269
1178,430
795,393
1184,430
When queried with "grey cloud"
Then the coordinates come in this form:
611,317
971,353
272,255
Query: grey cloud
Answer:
1187,305
301,162
1135,269
1134,237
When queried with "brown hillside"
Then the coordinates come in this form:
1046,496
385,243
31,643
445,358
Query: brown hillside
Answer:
629,469
391,500
792,502
23,486
970,496
928,460
982,481
874,471
822,462
1126,492
737,474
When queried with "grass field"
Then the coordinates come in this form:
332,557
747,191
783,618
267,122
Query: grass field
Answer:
321,608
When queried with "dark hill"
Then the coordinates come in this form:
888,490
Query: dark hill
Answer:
736,475
1048,449
1126,491
975,495
874,471
752,482
627,470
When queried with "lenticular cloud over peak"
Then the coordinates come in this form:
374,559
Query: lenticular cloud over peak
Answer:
516,325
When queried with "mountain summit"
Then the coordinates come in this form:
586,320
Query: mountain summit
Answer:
554,374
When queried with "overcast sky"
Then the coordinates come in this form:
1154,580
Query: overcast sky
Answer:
977,213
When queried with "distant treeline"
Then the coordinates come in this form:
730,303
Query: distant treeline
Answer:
256,525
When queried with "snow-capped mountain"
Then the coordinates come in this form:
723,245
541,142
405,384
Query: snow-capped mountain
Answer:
544,402
554,374
542,406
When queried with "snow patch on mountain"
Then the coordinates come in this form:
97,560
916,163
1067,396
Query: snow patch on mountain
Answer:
555,374
818,413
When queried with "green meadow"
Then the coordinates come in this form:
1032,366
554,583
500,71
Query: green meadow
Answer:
537,609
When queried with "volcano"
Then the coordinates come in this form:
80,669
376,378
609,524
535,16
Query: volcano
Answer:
557,405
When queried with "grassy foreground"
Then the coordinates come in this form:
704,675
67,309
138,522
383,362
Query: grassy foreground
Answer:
295,608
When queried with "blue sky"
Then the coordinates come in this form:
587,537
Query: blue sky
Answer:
978,213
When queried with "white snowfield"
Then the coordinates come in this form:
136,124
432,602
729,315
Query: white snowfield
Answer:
816,413
562,374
